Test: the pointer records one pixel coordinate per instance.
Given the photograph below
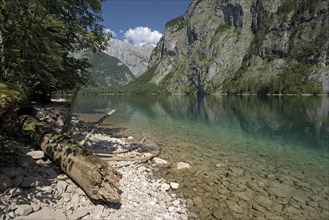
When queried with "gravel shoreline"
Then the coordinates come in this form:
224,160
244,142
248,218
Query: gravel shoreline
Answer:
32,187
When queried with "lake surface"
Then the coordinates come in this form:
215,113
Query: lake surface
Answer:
251,157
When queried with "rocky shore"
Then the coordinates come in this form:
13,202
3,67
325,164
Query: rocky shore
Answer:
32,187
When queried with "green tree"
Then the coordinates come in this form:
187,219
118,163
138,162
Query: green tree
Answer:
38,38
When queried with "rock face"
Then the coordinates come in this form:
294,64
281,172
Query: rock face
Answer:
244,46
134,57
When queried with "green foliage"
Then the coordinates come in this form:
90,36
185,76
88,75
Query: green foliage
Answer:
107,71
297,8
222,28
302,52
292,80
10,93
142,84
296,80
178,23
38,38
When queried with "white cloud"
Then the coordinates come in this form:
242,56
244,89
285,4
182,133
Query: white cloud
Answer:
142,35
108,30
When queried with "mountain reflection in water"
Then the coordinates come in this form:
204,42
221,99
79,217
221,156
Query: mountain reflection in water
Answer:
291,120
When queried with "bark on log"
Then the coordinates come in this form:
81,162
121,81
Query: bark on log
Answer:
93,175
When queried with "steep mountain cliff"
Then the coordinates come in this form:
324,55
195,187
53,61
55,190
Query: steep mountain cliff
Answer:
135,57
243,46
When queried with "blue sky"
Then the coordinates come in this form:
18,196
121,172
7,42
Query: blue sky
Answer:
145,18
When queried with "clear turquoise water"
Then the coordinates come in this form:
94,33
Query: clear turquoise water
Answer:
293,123
289,136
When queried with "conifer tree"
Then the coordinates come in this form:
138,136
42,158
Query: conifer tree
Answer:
38,38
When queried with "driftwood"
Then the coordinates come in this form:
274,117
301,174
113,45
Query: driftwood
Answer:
67,123
99,123
142,157
93,175
129,149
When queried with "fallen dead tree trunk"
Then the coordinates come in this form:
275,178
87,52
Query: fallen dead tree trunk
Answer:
93,175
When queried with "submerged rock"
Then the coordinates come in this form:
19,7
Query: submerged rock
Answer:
158,160
236,171
183,165
217,212
279,190
234,206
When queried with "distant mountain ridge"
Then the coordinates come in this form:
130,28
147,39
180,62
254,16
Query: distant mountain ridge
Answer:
119,64
108,71
135,57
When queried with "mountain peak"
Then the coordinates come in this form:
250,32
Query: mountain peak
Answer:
135,57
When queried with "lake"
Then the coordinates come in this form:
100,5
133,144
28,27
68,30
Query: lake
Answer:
251,157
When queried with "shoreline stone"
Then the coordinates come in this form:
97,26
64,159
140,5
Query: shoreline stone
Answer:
174,185
23,210
158,160
5,182
36,154
38,190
